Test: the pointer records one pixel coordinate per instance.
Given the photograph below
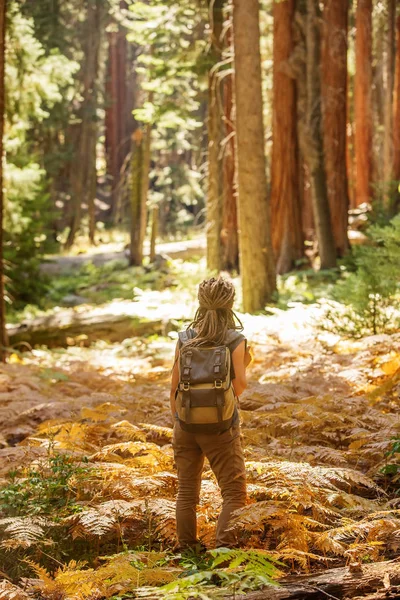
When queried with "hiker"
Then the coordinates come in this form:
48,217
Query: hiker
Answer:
208,376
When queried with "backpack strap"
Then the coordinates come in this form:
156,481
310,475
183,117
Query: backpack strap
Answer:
185,335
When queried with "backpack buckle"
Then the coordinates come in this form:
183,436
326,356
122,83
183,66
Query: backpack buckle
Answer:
185,386
218,383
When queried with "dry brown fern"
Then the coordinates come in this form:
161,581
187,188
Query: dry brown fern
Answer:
8,591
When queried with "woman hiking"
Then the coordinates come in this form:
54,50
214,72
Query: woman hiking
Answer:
208,376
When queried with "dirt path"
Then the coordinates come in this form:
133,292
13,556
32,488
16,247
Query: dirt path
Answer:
178,249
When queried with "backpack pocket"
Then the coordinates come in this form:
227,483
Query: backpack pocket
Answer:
206,409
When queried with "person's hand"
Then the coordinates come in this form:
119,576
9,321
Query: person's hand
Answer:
248,357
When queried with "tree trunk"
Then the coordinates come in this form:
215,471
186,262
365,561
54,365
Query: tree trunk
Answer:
388,113
214,194
363,102
256,255
154,233
92,183
287,235
3,334
382,578
229,236
396,110
119,121
145,182
350,144
136,194
71,327
83,161
314,140
334,72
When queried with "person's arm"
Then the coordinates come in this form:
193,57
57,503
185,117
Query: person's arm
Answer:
239,364
174,383
248,357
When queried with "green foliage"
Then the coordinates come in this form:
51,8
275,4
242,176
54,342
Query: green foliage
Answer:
392,468
43,489
172,61
36,85
220,572
366,300
304,286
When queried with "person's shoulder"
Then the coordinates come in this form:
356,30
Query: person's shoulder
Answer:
233,338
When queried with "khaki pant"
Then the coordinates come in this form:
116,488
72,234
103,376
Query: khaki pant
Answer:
224,453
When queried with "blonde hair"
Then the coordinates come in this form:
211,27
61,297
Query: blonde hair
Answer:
215,314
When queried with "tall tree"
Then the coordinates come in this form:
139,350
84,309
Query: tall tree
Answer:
136,197
363,101
256,256
396,115
3,333
334,74
229,236
84,159
287,235
314,153
120,101
390,39
214,192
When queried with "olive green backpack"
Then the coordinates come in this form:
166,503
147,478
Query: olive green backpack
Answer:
205,399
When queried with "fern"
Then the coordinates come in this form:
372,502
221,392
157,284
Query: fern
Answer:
25,531
8,591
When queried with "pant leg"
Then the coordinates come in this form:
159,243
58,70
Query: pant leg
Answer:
224,452
189,460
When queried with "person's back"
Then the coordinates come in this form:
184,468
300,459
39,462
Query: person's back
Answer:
204,406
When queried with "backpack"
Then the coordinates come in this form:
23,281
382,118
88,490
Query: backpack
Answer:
205,398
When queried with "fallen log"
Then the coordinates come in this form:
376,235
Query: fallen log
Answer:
85,324
374,581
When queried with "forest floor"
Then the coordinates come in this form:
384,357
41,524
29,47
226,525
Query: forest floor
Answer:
87,480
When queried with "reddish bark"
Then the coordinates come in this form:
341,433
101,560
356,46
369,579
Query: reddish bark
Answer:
334,91
3,333
396,109
363,102
287,235
119,98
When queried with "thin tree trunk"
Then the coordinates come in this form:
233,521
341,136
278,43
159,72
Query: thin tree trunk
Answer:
287,235
145,182
83,162
113,107
214,195
350,144
136,194
315,150
3,333
388,115
256,255
92,183
334,88
154,233
363,102
229,237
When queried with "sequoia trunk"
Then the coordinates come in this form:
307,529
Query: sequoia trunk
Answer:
363,101
314,141
287,235
3,334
